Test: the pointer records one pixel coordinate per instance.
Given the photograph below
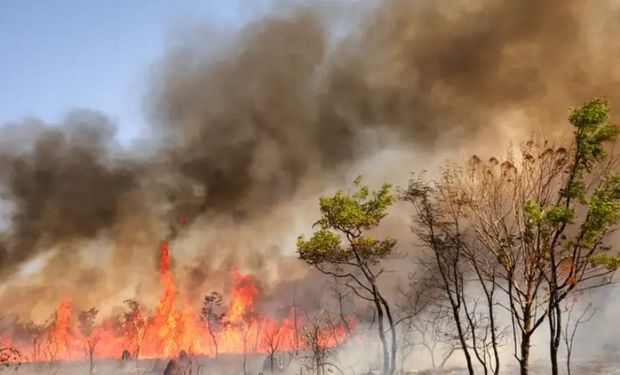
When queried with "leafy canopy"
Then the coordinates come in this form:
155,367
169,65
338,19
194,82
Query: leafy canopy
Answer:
349,215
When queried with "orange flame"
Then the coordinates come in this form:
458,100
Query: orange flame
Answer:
174,326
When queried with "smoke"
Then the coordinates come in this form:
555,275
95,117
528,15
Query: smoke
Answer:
64,187
247,137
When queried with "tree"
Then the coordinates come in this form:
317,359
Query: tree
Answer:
440,225
537,222
213,316
134,325
36,332
434,331
271,343
86,321
58,330
247,320
577,245
342,248
572,325
320,338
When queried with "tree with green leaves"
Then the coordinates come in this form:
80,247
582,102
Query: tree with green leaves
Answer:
540,221
343,248
574,229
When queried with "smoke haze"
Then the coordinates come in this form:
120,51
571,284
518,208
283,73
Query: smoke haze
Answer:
248,137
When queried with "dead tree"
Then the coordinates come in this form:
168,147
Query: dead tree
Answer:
438,217
86,321
435,333
271,343
572,325
36,333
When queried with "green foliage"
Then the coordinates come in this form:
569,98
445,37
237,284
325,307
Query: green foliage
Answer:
603,210
358,211
594,129
549,220
324,245
609,262
533,212
349,214
560,215
590,114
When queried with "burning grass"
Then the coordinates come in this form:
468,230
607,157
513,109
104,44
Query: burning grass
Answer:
171,327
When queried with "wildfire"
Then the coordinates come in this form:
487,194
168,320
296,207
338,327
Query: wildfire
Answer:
173,325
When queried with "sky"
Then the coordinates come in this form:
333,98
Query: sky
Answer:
59,55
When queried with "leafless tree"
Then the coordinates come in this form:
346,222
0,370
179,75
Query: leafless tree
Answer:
36,332
56,336
572,325
435,333
271,343
317,331
86,321
440,224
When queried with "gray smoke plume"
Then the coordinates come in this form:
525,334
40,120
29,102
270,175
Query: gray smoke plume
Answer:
248,137
64,186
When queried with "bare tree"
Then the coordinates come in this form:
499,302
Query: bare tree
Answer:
57,334
36,333
439,215
320,339
539,218
271,343
572,325
249,319
435,333
86,321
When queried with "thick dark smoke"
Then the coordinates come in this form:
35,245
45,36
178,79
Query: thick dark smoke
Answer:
66,186
248,136
242,129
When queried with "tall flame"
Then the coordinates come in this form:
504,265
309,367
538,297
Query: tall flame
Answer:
174,325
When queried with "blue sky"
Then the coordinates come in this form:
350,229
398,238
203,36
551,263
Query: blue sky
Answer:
58,55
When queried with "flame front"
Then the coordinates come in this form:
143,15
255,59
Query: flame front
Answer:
172,326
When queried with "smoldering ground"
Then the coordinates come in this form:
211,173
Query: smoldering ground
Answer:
246,138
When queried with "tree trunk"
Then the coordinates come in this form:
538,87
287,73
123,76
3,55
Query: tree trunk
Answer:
212,334
524,361
394,347
91,358
386,352
271,363
459,329
555,330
